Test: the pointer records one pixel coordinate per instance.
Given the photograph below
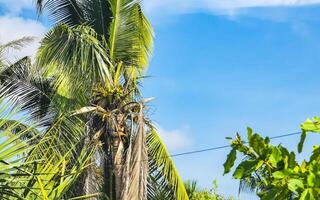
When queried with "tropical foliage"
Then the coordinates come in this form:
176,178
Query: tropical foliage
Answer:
23,175
272,171
13,45
84,90
195,193
30,167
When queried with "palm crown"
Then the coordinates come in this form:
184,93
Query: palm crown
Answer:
86,77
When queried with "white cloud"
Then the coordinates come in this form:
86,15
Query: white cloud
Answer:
177,139
12,28
160,7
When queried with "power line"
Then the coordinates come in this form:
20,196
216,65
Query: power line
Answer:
216,148
286,135
199,151
227,146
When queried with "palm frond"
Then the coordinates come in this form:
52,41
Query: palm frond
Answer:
15,143
160,160
12,45
120,22
62,11
20,69
64,133
34,93
17,44
98,16
158,187
61,160
56,176
191,188
77,55
23,88
130,33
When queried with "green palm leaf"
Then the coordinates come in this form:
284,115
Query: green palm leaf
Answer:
25,89
33,166
119,23
161,162
77,59
130,34
98,15
62,11
15,143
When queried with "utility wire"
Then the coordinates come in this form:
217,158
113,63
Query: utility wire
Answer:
285,135
216,148
199,151
227,146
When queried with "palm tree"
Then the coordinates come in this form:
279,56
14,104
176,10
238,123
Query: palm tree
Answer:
89,68
24,176
33,165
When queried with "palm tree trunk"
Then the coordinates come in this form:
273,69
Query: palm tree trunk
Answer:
90,184
126,171
108,168
118,166
113,169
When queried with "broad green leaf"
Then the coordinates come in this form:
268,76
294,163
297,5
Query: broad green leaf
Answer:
307,195
278,175
294,184
275,156
303,166
315,153
296,169
312,125
274,172
311,179
304,195
232,156
244,168
292,160
257,144
302,139
260,163
270,194
249,132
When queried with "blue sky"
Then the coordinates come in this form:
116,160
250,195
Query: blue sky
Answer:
216,69
217,74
